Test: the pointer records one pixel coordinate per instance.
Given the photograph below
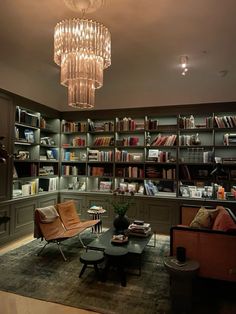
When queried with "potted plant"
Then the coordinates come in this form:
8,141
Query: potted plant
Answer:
121,204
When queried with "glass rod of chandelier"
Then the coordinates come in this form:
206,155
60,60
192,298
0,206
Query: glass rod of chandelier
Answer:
82,48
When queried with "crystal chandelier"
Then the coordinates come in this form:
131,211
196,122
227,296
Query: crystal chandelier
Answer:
82,48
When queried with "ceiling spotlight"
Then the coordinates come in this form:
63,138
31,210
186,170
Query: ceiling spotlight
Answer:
184,64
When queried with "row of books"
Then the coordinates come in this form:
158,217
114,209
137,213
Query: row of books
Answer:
99,172
159,156
124,155
128,141
225,121
72,170
151,124
128,124
230,139
130,172
69,156
103,141
74,127
168,174
29,188
164,140
107,126
28,170
25,135
26,117
187,123
150,188
96,155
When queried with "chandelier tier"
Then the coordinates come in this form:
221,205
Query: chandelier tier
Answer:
82,48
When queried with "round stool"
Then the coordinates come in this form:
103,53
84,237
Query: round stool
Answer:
91,258
116,256
181,276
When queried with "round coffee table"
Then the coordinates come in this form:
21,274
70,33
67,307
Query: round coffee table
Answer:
181,277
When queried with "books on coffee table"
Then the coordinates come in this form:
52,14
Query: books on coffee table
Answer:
141,230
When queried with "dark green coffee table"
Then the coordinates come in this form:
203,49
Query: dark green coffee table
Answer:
135,245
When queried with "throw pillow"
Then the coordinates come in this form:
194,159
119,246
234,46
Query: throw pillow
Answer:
204,218
224,221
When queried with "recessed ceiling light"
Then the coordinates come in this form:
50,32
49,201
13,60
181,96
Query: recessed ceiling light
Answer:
184,64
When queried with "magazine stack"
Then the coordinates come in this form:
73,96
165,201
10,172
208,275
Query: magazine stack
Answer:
140,229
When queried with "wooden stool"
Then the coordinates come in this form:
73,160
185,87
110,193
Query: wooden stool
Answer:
91,258
116,257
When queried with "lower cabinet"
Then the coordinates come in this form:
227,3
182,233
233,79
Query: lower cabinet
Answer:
47,200
79,200
21,214
160,213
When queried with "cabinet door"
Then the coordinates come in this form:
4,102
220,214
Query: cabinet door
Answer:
79,201
160,213
6,132
4,226
48,200
22,213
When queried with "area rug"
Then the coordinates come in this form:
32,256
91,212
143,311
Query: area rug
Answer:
49,278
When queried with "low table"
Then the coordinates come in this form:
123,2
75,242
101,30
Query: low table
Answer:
135,245
96,214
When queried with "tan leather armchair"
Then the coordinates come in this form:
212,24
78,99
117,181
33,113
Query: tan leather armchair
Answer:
56,224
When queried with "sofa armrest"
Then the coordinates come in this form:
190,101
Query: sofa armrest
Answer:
214,250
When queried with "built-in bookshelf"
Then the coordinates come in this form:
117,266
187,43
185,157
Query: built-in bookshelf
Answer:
36,153
173,155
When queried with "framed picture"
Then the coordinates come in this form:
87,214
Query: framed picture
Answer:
23,154
50,154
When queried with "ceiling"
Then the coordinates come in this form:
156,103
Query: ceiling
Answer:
148,38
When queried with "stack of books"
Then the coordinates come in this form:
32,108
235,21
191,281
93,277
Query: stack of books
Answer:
139,228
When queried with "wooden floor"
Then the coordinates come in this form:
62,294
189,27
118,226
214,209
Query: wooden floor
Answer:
11,303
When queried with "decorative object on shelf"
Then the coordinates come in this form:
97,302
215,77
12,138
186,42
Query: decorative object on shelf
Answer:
22,155
82,48
196,140
148,139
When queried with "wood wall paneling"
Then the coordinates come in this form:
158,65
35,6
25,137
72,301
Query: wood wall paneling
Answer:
23,213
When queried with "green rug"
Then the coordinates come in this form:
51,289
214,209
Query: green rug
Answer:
49,278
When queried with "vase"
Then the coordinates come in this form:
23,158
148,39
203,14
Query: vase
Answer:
121,223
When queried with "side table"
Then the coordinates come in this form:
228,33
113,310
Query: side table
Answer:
181,281
96,213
